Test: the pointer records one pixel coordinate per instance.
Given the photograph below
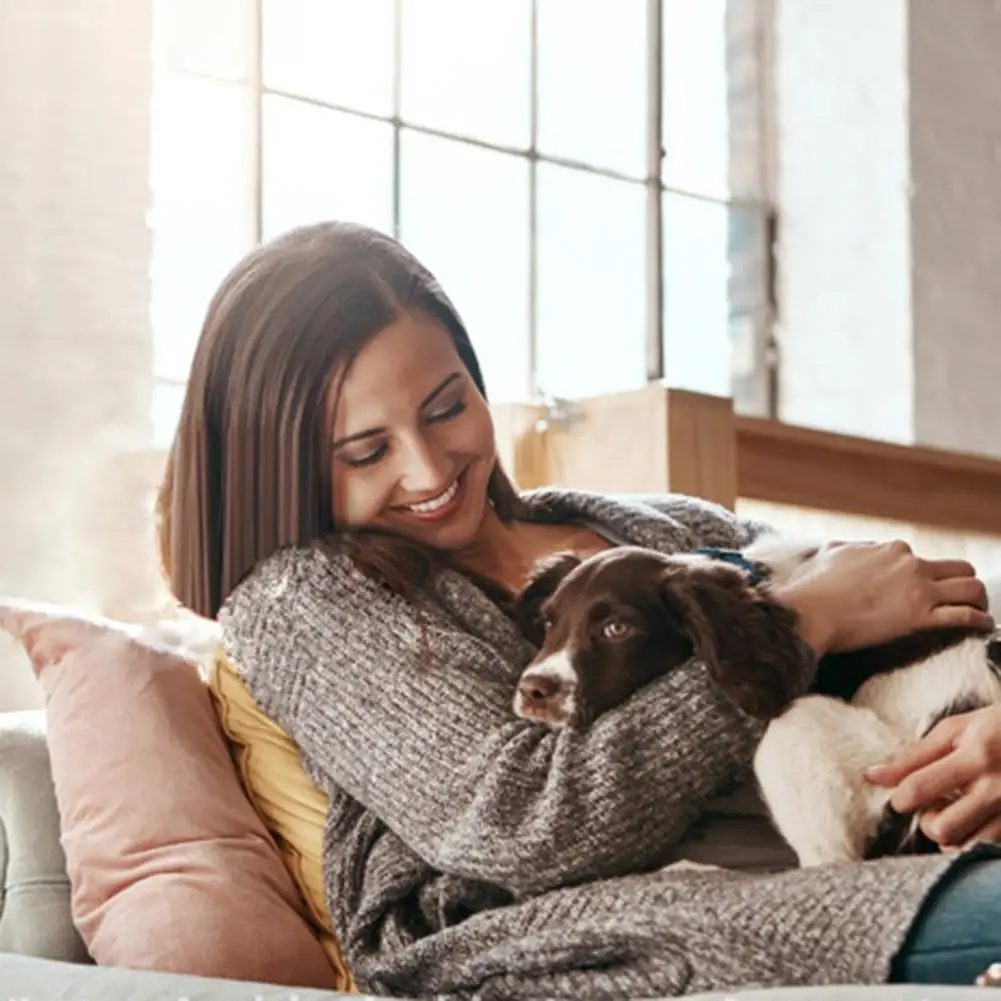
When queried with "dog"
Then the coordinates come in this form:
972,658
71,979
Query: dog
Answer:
607,626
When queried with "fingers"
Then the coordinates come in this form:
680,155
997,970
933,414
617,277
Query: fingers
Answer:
960,821
936,782
990,833
961,591
960,617
936,745
945,569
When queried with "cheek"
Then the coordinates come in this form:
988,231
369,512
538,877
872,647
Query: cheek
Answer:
358,496
473,434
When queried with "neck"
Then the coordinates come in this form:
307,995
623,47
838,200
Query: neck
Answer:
497,552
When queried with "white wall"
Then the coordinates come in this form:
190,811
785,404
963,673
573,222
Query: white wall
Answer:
75,356
889,186
954,50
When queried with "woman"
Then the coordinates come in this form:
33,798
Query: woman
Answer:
335,498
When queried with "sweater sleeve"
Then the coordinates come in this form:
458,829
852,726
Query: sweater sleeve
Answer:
712,524
413,719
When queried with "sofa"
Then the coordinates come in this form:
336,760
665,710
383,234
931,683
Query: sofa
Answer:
43,957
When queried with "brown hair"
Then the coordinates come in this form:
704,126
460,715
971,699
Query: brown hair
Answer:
249,469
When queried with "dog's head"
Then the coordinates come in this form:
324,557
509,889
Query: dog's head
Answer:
609,625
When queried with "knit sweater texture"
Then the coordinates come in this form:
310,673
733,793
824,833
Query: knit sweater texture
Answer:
471,854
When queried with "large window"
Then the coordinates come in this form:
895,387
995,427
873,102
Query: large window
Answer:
581,175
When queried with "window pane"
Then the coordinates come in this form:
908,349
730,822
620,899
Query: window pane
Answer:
714,293
203,206
591,283
340,51
212,37
592,82
467,68
320,164
464,213
695,126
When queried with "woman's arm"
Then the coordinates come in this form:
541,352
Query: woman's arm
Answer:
851,596
434,749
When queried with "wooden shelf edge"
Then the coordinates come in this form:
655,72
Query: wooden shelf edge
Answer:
801,467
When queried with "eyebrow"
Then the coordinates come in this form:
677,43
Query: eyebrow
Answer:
430,398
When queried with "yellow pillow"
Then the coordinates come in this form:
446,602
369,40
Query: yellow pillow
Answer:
281,792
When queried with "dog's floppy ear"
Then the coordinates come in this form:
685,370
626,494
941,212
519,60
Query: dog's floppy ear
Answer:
545,578
747,642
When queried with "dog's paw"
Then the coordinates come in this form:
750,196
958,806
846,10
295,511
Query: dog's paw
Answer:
991,977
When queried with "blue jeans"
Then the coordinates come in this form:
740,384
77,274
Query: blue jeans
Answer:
957,933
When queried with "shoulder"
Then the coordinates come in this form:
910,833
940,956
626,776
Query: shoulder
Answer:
666,520
304,605
297,578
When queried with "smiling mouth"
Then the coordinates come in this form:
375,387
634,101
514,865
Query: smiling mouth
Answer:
438,508
436,503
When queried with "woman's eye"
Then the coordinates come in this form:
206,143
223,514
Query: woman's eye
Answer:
369,459
616,630
447,413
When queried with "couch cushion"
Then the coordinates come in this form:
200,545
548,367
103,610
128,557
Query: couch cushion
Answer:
283,795
170,867
35,916
43,979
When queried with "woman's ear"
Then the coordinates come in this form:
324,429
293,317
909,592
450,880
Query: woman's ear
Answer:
546,576
747,642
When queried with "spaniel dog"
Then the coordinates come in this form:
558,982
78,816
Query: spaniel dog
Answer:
608,625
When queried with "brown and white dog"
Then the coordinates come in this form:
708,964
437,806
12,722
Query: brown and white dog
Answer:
607,626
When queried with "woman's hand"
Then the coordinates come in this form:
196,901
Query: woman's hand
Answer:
953,777
859,594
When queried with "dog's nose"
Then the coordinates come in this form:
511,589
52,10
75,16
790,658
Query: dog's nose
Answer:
547,697
539,688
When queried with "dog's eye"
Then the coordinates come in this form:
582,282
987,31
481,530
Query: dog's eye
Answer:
615,629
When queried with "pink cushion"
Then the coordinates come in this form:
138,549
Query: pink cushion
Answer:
170,867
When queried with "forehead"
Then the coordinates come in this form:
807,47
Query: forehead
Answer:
621,573
394,372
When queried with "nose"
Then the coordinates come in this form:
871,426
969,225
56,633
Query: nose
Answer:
546,696
539,688
426,468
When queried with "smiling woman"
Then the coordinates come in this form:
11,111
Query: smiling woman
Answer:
334,388
335,499
413,439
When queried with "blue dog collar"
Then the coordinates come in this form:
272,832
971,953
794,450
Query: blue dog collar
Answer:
757,572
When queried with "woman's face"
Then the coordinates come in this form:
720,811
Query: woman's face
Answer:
413,441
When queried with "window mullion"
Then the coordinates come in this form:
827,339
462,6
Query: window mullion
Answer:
535,390
258,118
397,110
654,234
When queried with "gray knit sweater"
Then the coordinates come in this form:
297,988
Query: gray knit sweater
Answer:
471,854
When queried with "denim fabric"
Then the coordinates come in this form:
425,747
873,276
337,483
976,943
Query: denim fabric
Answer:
957,934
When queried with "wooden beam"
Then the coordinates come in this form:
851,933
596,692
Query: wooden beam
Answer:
805,468
660,440
652,440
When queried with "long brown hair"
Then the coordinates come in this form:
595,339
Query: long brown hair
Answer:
249,469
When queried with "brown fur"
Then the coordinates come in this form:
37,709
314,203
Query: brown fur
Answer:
675,610
679,608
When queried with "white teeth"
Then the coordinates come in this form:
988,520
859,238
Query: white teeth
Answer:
440,501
